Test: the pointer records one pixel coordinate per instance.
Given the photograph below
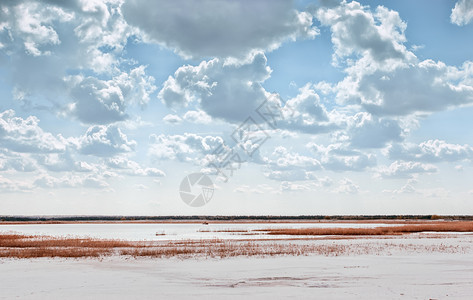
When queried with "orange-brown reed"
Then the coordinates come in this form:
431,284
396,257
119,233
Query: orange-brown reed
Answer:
388,230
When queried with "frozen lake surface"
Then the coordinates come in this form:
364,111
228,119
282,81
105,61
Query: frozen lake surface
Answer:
398,276
412,266
170,231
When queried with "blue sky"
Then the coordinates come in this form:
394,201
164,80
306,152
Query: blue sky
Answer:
107,105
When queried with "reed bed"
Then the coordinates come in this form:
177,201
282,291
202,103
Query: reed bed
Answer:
26,246
389,230
19,246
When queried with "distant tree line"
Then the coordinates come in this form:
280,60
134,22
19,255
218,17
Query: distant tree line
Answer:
232,218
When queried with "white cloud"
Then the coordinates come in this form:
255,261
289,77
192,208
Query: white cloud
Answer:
71,181
198,117
132,168
408,188
185,147
346,186
382,75
287,186
104,101
86,25
233,91
216,28
11,186
25,135
230,91
367,131
290,175
403,169
356,30
339,157
19,162
430,151
96,101
100,140
305,113
172,119
289,166
140,187
32,23
46,41
462,13
258,189
424,87
64,162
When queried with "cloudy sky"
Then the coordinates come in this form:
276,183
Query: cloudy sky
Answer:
291,107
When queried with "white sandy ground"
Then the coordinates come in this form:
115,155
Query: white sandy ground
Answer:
394,274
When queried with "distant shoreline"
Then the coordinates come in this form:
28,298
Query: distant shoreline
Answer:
229,219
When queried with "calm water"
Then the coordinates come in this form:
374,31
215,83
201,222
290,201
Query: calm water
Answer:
147,232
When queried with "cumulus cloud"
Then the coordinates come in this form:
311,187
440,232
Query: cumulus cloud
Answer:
356,30
462,13
258,189
382,75
312,185
13,186
408,188
339,157
305,113
19,162
284,165
64,162
32,23
230,91
290,166
25,135
290,175
214,28
405,169
87,28
44,42
185,147
101,140
347,186
282,159
197,117
172,119
70,181
430,151
424,87
288,186
132,168
104,101
233,91
367,131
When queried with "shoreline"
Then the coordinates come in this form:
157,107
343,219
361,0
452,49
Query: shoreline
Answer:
284,221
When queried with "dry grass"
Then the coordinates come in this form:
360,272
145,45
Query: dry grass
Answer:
26,246
45,241
54,252
388,230
225,249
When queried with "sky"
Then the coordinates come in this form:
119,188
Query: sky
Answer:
288,107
